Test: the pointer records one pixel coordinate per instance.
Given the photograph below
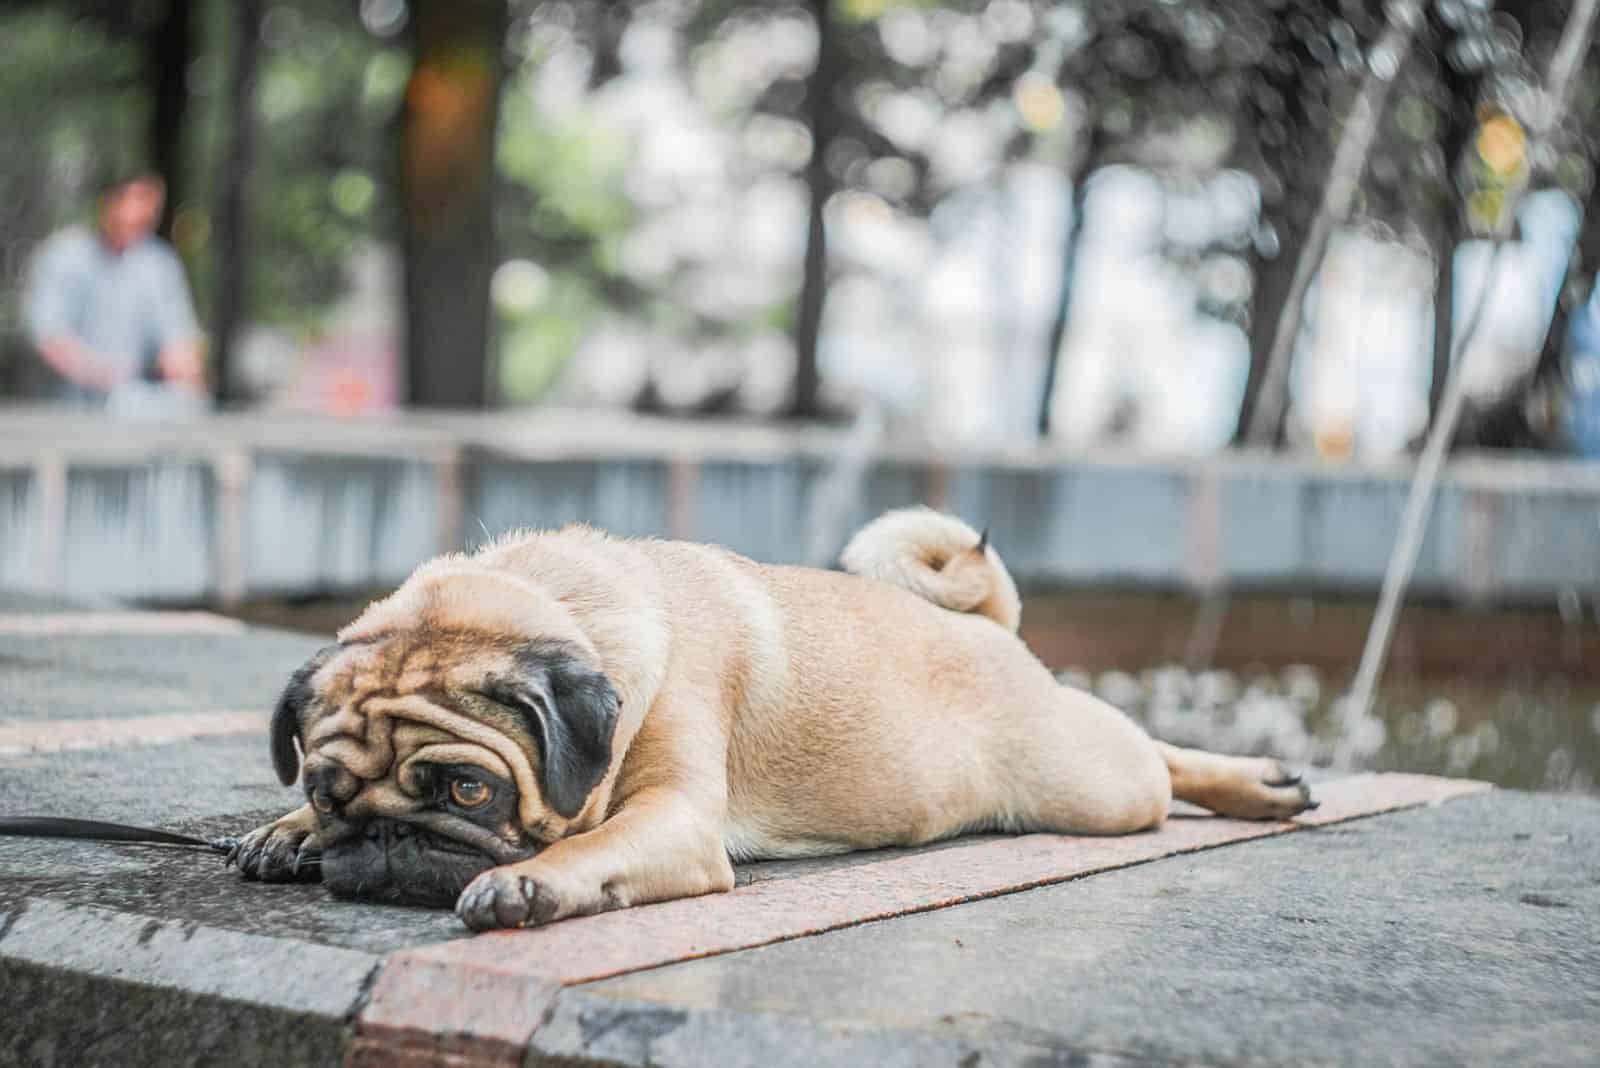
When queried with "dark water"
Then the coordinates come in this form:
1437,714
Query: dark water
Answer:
1528,732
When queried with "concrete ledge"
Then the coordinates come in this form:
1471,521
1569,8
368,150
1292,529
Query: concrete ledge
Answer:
485,997
1463,934
1456,933
91,986
224,996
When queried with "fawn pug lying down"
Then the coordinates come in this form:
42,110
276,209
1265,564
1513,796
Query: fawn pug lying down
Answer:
565,722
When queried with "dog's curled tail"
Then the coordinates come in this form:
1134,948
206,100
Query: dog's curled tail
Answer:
938,558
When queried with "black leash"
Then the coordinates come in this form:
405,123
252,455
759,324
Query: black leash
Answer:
100,831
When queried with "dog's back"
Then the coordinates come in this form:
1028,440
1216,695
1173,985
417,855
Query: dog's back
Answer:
940,559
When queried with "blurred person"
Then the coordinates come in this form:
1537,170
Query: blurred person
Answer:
108,308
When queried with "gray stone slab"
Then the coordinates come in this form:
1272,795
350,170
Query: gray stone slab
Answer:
583,1029
176,783
94,986
1465,934
207,787
113,675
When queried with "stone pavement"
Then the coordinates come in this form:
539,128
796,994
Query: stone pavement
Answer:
1459,932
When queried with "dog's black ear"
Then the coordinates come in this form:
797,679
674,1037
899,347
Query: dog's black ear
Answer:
571,710
577,744
286,718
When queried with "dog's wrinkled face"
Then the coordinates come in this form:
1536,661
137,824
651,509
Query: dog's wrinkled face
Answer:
431,756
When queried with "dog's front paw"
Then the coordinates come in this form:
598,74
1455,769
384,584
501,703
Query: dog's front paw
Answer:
511,896
283,851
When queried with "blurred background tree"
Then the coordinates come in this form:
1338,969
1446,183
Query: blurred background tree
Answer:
778,207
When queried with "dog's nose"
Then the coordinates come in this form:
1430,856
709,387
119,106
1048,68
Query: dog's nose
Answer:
387,830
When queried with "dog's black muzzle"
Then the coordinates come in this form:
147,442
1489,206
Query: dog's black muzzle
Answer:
396,861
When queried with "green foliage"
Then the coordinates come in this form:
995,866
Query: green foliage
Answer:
536,346
325,92
1258,86
561,205
572,172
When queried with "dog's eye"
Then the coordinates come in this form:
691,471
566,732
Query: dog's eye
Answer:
469,793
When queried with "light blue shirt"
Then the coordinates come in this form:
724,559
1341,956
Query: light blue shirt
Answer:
126,307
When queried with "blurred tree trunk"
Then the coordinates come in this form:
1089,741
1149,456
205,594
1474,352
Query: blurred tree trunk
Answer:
1266,422
446,182
1069,270
611,22
231,214
1449,222
168,47
1295,162
1274,280
823,119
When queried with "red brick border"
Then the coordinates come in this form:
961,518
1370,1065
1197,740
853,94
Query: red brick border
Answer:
422,1012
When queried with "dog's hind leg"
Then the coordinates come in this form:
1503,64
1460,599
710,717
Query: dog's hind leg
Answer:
1079,766
1251,788
1085,768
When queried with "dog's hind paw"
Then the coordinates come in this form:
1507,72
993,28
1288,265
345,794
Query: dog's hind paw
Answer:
1272,793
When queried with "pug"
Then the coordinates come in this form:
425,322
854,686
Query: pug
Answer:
565,722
